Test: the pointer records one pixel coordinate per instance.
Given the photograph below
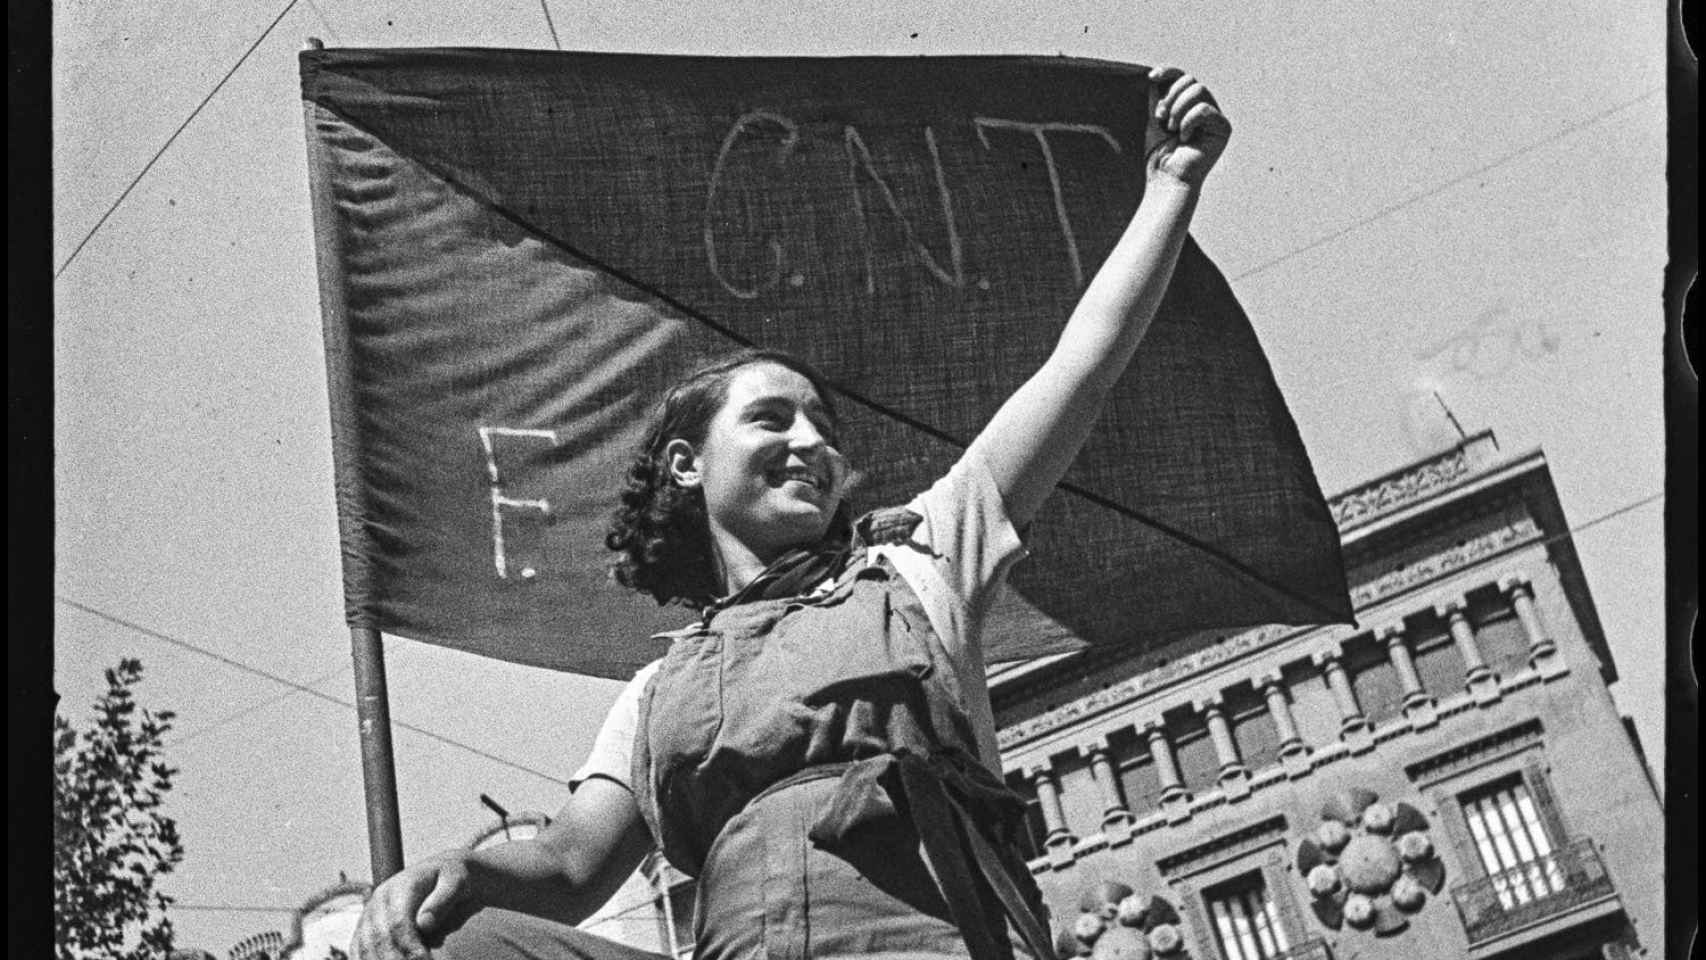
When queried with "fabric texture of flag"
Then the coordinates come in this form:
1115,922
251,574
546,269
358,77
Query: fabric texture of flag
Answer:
519,251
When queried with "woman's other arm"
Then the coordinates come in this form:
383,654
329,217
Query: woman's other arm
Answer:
564,873
1032,440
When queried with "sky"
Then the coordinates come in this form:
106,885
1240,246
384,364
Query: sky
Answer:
1460,197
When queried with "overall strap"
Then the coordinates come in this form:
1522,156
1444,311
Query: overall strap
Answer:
980,889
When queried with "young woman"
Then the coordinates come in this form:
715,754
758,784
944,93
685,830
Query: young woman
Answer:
818,750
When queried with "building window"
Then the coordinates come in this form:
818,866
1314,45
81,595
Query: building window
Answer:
1511,841
1438,661
1140,781
1253,728
1374,679
1245,918
1498,632
1199,765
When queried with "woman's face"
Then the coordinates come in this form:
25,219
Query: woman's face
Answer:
770,471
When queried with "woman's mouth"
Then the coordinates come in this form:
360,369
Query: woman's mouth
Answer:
799,475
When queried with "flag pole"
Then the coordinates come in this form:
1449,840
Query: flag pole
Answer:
367,649
378,769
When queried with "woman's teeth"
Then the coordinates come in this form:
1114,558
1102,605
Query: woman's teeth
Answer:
803,476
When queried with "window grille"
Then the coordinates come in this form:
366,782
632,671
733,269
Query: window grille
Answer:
1246,920
1511,840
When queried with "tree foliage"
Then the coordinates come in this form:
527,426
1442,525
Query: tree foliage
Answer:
111,841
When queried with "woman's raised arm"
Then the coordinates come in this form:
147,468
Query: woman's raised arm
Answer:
565,872
1032,440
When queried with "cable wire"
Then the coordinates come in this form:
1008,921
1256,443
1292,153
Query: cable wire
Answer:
173,139
1390,209
549,25
299,687
251,708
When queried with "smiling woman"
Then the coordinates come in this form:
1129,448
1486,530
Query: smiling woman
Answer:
740,463
818,748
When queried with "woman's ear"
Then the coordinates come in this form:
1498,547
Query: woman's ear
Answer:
683,463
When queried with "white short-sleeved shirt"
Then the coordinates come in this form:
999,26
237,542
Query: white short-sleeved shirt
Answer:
956,561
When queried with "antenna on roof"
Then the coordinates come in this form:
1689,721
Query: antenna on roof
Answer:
503,815
1461,435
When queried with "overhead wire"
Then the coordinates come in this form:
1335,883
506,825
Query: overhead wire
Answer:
254,707
1439,188
299,687
545,7
291,5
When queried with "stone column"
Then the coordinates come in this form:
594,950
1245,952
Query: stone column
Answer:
1058,838
1174,800
1542,650
1478,678
1232,773
1116,819
1354,728
1418,705
1048,798
1294,753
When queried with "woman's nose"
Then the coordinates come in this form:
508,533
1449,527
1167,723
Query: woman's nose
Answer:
805,435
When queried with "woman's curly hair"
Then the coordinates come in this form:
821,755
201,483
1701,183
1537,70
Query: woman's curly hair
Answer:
660,532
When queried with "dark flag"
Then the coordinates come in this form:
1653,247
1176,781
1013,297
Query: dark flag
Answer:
520,250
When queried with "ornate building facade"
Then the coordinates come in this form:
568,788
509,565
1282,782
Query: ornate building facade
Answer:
1448,778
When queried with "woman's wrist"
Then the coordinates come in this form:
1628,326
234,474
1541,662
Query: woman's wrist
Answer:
1165,183
1167,198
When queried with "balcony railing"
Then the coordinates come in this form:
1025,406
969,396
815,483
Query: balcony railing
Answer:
1538,890
1307,950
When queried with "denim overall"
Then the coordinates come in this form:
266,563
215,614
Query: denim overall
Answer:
810,761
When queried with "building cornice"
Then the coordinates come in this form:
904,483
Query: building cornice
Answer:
1405,579
1232,844
1412,483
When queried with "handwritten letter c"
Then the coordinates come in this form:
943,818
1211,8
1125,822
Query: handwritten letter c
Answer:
790,138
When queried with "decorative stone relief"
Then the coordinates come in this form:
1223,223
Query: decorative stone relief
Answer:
1444,562
1115,923
1250,641
1362,504
1231,648
1369,863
